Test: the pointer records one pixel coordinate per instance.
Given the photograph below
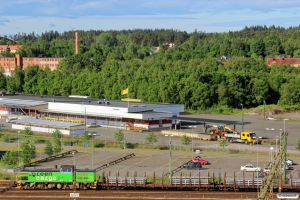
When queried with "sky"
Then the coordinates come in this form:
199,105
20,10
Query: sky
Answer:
38,16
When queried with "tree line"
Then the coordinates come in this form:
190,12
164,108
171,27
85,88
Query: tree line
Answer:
188,73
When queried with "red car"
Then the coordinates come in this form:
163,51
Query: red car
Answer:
200,160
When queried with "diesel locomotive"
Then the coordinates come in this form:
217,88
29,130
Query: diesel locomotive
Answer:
65,177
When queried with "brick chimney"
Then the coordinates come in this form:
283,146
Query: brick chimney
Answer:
76,43
288,56
18,60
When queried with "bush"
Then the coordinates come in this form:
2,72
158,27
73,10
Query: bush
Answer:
223,110
4,176
164,148
39,141
68,143
99,144
130,145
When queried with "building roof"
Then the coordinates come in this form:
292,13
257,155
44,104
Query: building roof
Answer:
291,61
47,123
207,121
82,101
20,102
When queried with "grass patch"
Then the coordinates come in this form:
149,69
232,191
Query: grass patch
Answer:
4,176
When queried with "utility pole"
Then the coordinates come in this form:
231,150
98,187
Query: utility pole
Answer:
242,117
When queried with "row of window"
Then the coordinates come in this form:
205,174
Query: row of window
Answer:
48,65
7,64
7,59
42,59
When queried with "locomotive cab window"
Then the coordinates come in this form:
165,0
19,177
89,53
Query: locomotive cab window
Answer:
24,178
66,170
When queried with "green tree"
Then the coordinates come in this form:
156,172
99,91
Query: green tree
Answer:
48,150
27,152
10,158
56,140
151,138
223,142
86,136
28,134
185,140
119,136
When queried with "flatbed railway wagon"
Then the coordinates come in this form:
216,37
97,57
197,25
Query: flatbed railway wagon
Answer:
66,177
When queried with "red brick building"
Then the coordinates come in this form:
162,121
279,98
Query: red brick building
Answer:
9,63
295,62
9,48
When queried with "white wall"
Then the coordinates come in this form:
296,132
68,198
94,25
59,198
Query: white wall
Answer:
174,109
89,109
48,130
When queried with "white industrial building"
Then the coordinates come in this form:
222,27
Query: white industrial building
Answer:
131,114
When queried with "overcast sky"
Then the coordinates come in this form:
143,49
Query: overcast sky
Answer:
26,16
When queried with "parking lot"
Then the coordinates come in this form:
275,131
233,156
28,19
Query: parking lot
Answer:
150,161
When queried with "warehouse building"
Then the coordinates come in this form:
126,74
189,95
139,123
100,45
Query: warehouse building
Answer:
127,114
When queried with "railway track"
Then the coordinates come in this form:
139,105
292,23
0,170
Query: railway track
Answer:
126,194
6,185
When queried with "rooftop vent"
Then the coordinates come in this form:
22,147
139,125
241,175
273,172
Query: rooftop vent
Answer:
134,106
107,102
143,106
99,102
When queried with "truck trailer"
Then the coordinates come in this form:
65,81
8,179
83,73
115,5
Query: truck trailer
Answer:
243,137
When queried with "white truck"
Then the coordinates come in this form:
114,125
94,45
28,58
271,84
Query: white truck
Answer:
250,168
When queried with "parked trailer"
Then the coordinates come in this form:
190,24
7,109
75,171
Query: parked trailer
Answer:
201,136
207,136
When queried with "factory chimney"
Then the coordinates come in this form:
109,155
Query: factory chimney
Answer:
76,43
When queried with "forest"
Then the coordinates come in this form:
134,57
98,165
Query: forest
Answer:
188,73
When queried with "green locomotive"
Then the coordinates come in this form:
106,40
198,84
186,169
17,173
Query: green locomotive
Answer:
67,177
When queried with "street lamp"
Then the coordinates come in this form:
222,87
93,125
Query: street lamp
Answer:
280,136
170,154
271,148
276,144
92,134
242,117
124,145
19,148
192,139
74,159
61,136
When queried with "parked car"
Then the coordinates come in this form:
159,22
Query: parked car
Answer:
250,168
91,125
289,161
200,160
267,169
262,174
11,119
192,165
